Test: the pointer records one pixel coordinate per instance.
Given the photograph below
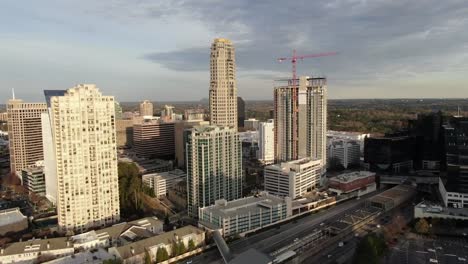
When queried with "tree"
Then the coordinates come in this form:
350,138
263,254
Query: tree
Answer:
182,248
370,249
175,248
422,226
131,189
191,245
159,256
147,257
165,255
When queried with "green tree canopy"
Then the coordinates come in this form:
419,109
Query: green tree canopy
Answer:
370,249
191,245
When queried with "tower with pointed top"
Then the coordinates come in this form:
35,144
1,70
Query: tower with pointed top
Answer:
223,86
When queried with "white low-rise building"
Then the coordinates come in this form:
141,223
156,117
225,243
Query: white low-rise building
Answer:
135,252
245,214
345,135
453,199
293,178
32,250
343,152
161,182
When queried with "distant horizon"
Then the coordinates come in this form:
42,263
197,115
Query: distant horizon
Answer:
161,49
204,100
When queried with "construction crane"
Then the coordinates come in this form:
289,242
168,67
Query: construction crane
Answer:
294,60
296,57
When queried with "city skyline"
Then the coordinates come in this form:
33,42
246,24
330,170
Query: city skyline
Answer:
388,49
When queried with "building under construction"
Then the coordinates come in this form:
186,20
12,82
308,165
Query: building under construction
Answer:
301,119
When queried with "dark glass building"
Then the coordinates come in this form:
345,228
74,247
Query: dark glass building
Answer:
429,141
393,153
240,111
456,144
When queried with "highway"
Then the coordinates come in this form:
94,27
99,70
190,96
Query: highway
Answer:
275,238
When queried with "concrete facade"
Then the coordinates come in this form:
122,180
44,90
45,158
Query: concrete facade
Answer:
161,182
245,214
293,178
24,132
343,152
223,85
266,142
146,108
301,120
84,134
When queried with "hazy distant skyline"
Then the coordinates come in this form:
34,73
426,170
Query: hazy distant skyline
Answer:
159,50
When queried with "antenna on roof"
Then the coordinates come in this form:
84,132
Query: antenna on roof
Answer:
13,93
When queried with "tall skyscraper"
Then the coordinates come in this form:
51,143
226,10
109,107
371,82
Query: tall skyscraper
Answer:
266,142
214,166
223,86
84,136
146,108
301,120
24,131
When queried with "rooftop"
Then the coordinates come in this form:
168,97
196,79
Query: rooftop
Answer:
351,176
36,245
165,238
286,166
168,174
244,206
11,216
93,256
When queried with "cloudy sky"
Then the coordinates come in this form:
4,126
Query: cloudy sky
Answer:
159,49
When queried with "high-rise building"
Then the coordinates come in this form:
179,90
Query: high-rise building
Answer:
293,178
266,142
223,86
301,120
180,139
154,139
456,145
146,108
240,111
84,135
428,133
214,166
24,132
